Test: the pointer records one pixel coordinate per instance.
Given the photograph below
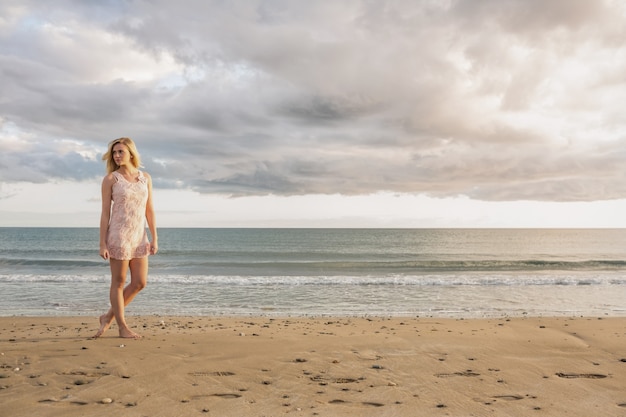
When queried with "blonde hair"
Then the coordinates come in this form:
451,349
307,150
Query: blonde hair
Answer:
108,156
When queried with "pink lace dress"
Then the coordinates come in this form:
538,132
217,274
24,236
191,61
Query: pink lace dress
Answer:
127,237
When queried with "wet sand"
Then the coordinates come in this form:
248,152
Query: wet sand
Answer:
262,366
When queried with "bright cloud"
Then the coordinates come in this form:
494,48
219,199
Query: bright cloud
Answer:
481,100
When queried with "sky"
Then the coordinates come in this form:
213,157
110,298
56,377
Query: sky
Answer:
286,113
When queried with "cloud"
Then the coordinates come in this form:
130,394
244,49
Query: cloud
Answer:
495,100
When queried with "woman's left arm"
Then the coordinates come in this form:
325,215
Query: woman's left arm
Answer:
150,217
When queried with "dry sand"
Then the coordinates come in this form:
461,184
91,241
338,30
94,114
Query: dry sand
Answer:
260,366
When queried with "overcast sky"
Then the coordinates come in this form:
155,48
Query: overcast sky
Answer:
477,113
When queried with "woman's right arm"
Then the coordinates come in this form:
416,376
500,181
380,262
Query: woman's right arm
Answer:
107,190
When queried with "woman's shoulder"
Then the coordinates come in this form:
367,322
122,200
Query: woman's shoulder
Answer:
110,177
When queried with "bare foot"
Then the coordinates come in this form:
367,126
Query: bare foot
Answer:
104,326
129,334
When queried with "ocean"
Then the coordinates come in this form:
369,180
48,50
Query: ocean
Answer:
462,273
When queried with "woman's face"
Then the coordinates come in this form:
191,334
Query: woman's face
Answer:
121,154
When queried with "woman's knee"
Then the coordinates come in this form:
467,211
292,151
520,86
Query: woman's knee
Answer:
118,281
139,285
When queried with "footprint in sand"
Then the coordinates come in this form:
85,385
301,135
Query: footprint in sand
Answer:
508,397
227,395
369,355
326,380
574,375
365,403
464,373
214,373
56,401
85,374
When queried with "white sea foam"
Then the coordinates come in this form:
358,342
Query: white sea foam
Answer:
456,273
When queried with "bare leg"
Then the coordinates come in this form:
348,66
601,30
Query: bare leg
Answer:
105,323
138,280
107,318
119,271
120,298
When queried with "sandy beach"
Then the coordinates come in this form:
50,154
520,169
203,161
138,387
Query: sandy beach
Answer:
261,366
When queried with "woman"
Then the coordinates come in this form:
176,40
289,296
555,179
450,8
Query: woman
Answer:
126,205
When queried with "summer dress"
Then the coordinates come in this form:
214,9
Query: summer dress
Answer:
127,237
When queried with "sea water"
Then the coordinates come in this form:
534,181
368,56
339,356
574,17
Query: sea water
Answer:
326,272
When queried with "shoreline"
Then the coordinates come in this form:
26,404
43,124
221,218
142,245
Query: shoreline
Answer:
314,366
